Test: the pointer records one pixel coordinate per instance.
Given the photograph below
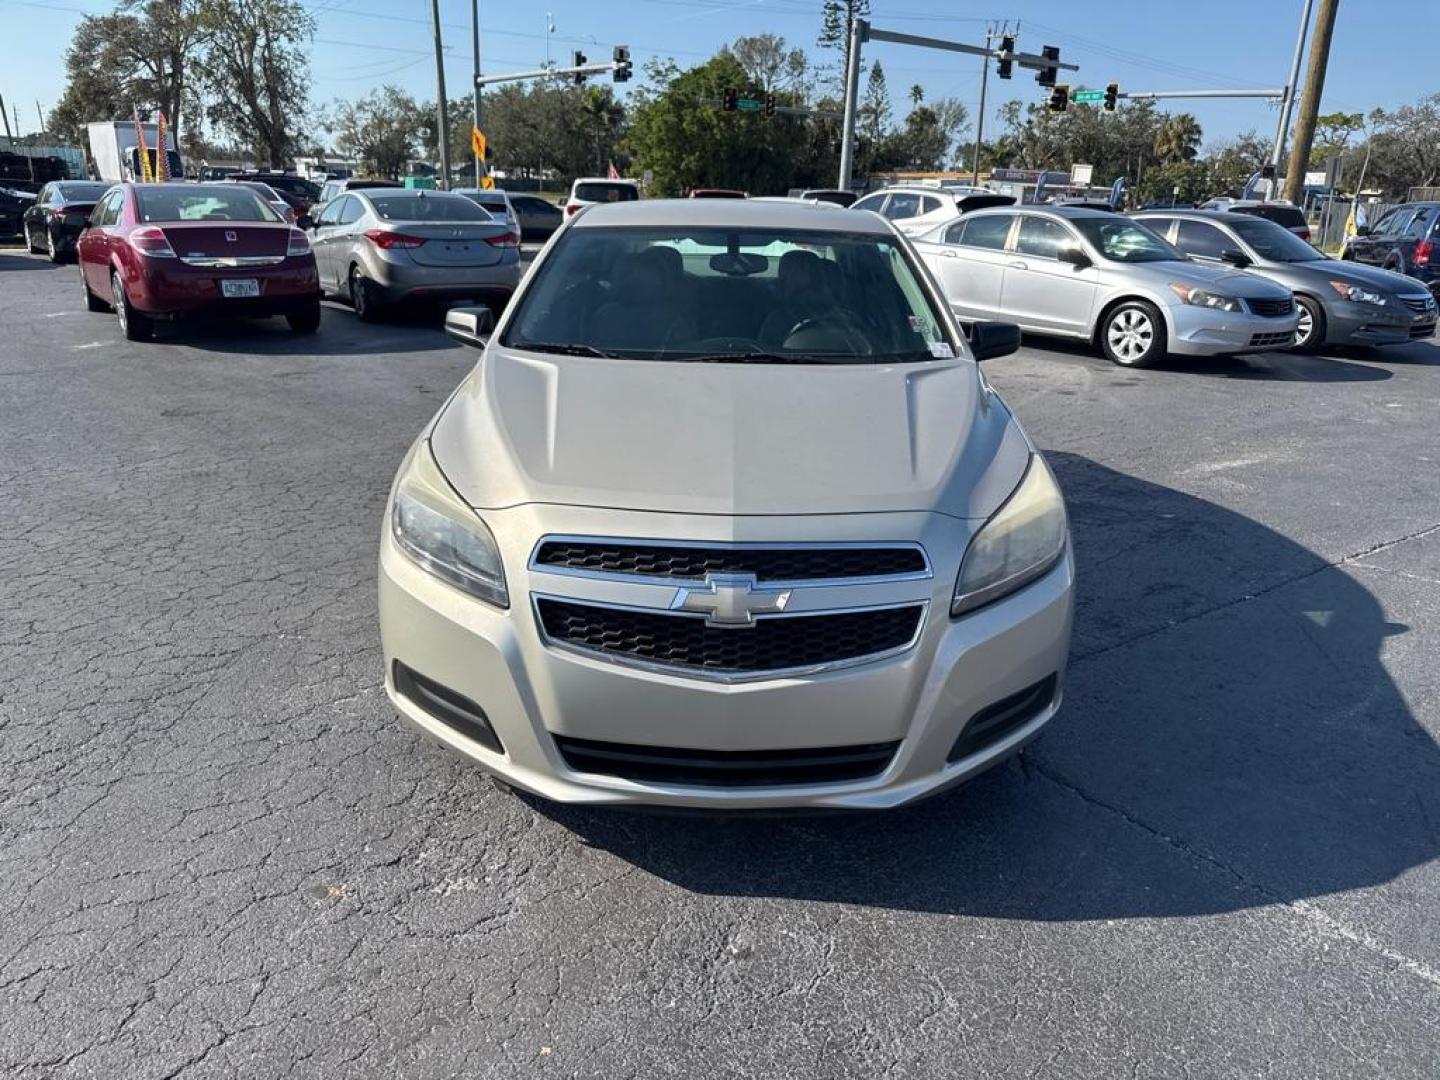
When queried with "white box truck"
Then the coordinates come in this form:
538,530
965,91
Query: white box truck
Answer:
117,155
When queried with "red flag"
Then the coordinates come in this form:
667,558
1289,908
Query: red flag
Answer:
614,173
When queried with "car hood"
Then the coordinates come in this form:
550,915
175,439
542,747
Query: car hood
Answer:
1220,278
1372,277
728,439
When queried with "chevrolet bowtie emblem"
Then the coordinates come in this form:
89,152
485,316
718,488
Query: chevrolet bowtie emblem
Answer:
730,600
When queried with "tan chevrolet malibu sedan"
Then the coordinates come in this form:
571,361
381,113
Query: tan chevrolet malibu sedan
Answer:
726,516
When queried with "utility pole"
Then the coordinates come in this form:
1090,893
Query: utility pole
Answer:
10,135
475,87
980,116
440,105
859,30
1288,100
1310,105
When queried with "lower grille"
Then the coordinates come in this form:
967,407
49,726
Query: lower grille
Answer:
1422,330
726,768
994,722
687,642
1271,309
687,562
1273,340
451,709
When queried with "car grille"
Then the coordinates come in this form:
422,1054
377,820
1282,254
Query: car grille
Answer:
1272,340
1422,330
1271,309
692,563
687,642
1418,304
722,768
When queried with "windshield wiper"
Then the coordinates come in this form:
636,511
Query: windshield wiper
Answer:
565,348
763,358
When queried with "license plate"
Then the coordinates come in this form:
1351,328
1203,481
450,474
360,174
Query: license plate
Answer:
462,249
238,287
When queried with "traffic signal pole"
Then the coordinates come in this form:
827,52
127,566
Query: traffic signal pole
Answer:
980,116
440,105
1288,101
859,30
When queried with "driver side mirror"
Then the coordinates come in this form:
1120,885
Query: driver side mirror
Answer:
470,325
991,339
1072,254
1235,258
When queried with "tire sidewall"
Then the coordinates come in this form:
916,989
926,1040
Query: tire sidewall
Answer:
1317,325
1154,354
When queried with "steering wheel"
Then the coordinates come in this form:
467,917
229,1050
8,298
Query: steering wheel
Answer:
836,322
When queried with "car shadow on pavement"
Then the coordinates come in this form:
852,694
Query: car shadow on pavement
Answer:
18,259
340,334
1268,366
1230,739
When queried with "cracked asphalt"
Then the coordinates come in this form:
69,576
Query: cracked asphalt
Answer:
222,856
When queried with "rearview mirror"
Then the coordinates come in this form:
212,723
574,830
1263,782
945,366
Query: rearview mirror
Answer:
991,339
470,325
1072,254
1235,258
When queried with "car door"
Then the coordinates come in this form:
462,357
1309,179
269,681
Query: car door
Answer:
1369,249
95,259
970,263
1039,291
326,240
1203,241
346,237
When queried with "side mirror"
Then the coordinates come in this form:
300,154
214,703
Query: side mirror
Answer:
470,325
1237,259
306,222
1072,254
991,339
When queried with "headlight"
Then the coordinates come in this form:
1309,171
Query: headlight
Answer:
433,526
1356,293
1020,542
1188,294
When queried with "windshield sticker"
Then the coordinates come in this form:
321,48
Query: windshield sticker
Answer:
942,350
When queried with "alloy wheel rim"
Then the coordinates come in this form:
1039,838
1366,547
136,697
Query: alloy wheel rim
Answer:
50,243
357,293
1130,334
120,303
1305,327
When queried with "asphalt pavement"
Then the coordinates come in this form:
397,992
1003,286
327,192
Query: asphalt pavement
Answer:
222,856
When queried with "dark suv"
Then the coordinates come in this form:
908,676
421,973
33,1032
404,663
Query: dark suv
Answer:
1406,240
295,190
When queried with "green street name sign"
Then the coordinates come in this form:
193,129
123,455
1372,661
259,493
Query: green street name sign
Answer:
746,104
1087,97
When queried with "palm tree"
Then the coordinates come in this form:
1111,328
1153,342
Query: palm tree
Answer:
604,114
1178,138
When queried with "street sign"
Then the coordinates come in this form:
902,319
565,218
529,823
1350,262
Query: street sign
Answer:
1087,97
1081,175
746,104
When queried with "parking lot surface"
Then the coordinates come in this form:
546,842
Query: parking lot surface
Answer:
222,856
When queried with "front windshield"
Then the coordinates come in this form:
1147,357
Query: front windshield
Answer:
1274,242
1124,241
729,295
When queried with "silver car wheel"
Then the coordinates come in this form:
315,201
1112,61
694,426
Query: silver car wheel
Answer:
1305,327
1130,334
120,309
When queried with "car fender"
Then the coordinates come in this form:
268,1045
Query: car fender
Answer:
1105,303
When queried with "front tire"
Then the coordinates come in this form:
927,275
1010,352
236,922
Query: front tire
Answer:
135,325
1310,334
360,297
305,322
30,243
1133,334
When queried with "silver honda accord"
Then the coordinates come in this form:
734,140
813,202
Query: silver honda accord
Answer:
726,516
1102,278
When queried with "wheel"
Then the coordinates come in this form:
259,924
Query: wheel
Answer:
92,302
135,325
360,296
1133,334
50,248
305,322
30,243
1310,334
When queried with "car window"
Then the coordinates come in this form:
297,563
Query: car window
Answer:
1160,226
1388,225
426,206
870,202
78,192
929,204
1418,226
1121,240
1041,237
107,212
1274,242
954,232
197,202
1289,216
1203,239
677,293
988,232
350,210
902,206
602,191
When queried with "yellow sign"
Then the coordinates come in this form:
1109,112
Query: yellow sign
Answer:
487,183
478,143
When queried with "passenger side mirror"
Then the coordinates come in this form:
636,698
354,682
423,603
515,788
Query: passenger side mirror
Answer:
991,339
470,325
1235,258
1072,254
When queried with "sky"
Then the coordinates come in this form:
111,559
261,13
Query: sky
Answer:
1382,54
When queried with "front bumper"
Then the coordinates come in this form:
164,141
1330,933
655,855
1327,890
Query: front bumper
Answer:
1199,331
531,692
1349,323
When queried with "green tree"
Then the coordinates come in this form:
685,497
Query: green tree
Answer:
378,130
836,19
770,64
1178,139
873,118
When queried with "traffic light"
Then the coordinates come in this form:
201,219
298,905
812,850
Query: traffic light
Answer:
729,99
1046,75
1059,98
1005,67
1112,96
623,67
769,104
579,61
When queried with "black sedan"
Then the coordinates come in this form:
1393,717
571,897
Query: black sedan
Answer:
13,205
54,222
538,217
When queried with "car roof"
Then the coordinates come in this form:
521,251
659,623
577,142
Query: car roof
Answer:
605,180
1224,216
1068,212
732,213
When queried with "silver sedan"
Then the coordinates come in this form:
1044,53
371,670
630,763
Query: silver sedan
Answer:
385,246
1099,277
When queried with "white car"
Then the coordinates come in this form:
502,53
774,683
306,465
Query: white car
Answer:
589,190
495,202
916,209
726,517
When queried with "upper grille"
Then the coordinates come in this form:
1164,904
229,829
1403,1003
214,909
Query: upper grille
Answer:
689,643
1270,308
722,768
693,563
1419,304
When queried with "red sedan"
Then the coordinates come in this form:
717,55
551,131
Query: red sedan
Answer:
173,251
